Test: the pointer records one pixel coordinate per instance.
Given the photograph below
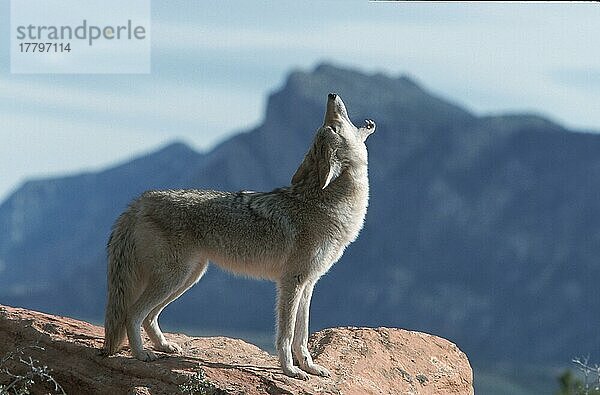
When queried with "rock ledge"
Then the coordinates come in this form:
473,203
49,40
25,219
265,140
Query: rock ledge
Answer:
362,361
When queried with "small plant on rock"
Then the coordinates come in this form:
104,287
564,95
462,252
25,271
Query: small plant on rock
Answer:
21,381
197,384
570,384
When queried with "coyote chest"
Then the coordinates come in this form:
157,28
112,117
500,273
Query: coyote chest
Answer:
344,222
349,214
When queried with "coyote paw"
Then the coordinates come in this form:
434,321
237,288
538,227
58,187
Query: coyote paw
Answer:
296,373
169,347
146,356
317,370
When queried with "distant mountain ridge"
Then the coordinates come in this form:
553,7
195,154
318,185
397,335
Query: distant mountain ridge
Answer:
483,230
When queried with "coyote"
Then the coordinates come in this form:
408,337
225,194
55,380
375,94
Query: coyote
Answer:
162,244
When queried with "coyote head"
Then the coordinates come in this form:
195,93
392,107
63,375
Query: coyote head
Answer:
338,146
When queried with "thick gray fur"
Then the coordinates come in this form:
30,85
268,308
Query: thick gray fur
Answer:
161,245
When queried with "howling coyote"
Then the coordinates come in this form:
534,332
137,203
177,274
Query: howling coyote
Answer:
161,245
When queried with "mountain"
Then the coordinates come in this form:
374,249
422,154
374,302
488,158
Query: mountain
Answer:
481,229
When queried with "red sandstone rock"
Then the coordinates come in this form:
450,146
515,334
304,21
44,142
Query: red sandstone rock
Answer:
361,360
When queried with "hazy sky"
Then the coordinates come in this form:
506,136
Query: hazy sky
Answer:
213,63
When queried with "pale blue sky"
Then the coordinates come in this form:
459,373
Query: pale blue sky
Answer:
213,63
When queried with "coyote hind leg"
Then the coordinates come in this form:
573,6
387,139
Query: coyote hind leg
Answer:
151,321
159,288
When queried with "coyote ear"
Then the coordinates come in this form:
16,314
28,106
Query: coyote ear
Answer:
328,164
367,129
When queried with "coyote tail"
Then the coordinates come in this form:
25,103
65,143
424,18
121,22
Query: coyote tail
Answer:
121,257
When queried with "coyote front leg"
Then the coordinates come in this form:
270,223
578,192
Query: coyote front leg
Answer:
300,342
288,298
